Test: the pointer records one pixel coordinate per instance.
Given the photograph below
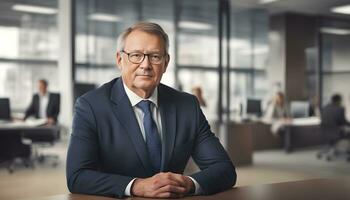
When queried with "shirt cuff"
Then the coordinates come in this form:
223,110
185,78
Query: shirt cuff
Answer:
197,188
127,191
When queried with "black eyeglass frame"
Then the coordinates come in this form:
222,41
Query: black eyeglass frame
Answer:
143,57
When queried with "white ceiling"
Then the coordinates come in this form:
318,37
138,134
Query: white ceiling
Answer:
313,7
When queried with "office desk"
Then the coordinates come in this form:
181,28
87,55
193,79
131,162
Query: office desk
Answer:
302,132
23,128
11,137
317,189
245,137
239,143
22,125
30,131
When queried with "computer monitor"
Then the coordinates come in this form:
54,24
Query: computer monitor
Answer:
5,113
299,109
254,107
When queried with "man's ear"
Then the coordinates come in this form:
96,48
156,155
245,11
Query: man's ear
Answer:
119,60
167,59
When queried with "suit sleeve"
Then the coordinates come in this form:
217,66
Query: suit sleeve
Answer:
83,175
217,171
30,110
55,107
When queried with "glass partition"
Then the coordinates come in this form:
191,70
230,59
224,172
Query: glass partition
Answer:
193,30
29,43
98,25
335,68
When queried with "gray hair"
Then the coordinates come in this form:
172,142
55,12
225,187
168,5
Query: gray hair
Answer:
147,27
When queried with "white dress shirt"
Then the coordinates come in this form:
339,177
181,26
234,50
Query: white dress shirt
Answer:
43,101
134,100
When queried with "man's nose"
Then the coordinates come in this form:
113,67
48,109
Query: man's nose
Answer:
145,64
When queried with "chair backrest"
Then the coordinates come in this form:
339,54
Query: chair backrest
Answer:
299,109
5,112
82,88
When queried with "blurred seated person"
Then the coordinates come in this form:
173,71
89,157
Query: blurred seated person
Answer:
44,104
277,113
333,116
278,108
197,91
314,109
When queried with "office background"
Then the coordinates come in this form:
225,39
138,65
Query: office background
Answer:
233,50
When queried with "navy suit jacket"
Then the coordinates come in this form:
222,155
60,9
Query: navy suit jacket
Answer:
52,109
107,150
333,116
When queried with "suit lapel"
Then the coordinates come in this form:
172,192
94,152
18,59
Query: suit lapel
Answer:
168,115
125,114
36,105
49,103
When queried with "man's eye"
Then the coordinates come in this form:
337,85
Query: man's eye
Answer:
136,55
156,57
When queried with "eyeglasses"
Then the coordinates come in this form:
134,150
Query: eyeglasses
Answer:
137,57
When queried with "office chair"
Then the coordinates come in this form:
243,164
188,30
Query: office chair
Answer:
42,138
5,111
12,149
333,136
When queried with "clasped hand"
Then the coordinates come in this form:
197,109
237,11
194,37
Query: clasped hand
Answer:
163,185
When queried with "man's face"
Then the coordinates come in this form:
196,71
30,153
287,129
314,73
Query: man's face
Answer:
42,87
143,77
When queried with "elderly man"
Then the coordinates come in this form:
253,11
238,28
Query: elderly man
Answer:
134,136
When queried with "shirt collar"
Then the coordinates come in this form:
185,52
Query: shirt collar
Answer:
135,99
43,96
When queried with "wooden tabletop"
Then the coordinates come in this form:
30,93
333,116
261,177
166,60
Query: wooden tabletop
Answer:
316,189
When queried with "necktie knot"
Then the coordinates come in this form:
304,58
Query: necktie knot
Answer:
145,106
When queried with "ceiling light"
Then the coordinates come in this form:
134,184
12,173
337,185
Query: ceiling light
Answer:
194,25
104,17
341,9
34,9
335,31
266,1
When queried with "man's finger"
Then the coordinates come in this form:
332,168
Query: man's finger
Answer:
164,181
181,179
167,176
171,189
175,177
